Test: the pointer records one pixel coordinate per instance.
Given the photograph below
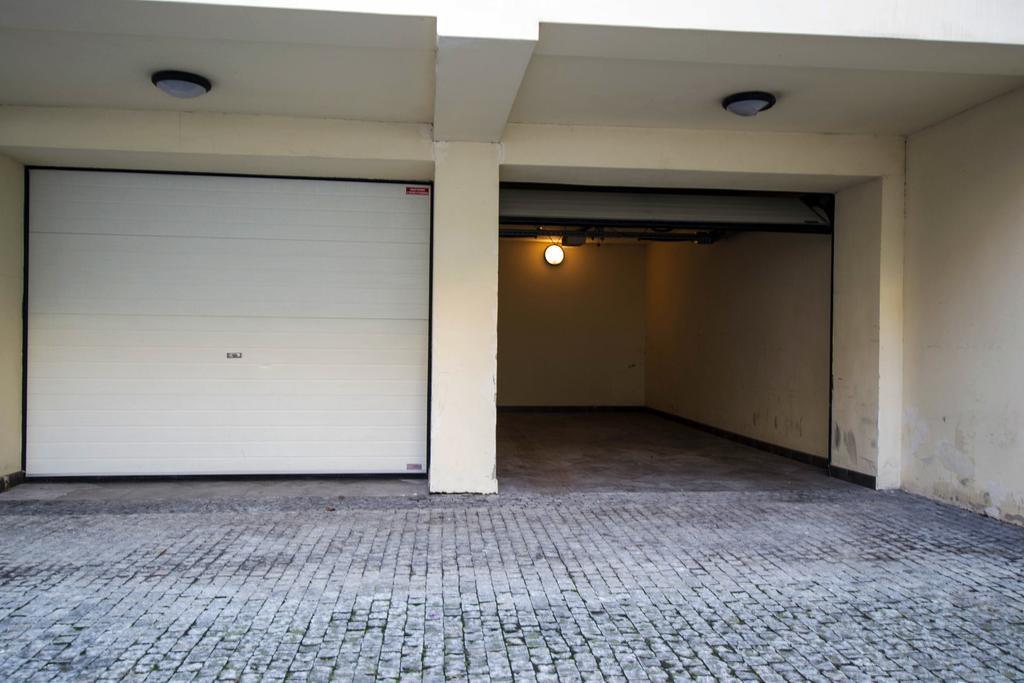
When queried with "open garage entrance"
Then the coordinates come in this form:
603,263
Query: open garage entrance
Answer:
682,342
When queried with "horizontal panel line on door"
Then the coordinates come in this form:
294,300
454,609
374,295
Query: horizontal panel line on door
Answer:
272,317
226,238
192,205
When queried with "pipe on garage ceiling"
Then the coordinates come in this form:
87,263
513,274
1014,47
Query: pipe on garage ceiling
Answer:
657,214
576,237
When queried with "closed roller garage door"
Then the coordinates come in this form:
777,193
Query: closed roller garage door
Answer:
144,288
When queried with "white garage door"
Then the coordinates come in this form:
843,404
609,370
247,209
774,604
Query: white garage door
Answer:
188,324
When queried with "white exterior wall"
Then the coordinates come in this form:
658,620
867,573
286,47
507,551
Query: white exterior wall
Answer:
976,20
465,319
964,409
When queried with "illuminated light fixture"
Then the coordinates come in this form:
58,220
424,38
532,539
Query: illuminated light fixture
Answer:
749,103
181,84
554,254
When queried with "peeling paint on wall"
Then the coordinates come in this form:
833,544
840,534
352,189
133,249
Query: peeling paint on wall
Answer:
850,442
963,369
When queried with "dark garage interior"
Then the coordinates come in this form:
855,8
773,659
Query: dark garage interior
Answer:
682,341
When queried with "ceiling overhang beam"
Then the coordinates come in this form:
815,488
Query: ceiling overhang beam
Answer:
477,80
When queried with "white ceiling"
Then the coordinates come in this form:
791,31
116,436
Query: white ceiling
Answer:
321,63
629,92
620,76
261,61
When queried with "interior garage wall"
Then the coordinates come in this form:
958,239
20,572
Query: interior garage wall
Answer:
11,272
738,336
571,335
964,310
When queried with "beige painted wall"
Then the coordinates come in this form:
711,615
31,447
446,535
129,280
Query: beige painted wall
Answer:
217,143
11,270
738,336
964,302
571,335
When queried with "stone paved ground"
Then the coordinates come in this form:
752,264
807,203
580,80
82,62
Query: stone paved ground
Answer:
832,584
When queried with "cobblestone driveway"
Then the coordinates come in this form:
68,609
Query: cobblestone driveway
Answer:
839,583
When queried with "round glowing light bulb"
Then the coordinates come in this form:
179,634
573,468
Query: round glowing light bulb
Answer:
554,254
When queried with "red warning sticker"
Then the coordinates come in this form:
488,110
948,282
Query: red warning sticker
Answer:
417,190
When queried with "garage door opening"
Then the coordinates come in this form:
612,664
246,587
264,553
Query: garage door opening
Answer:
186,324
682,342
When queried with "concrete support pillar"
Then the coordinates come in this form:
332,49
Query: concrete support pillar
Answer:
12,193
890,334
867,360
464,337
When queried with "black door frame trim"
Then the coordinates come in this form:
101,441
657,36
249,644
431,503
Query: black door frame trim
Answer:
25,310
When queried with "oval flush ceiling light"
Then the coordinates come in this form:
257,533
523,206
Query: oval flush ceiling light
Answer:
181,84
554,254
749,103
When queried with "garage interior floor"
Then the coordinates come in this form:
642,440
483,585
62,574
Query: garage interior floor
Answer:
634,451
